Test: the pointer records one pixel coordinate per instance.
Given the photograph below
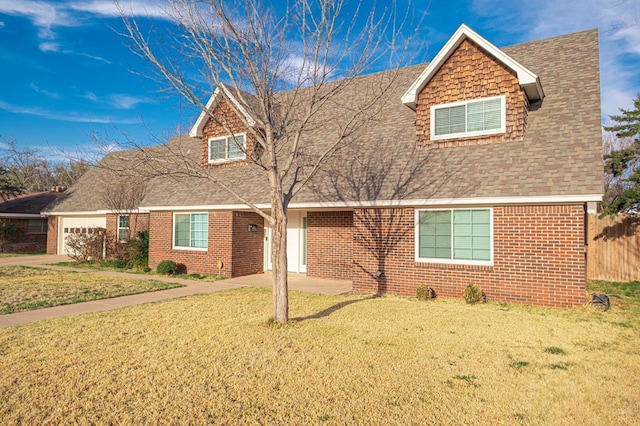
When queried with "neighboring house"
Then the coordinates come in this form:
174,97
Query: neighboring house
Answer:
22,226
479,169
101,199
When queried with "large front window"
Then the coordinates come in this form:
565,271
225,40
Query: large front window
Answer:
454,236
227,148
469,118
191,230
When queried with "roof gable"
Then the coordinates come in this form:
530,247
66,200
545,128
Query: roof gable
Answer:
527,79
196,130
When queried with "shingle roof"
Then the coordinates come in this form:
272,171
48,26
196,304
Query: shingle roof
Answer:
29,204
559,156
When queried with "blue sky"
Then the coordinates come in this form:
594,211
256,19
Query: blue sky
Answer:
66,74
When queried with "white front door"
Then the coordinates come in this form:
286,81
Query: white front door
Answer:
296,243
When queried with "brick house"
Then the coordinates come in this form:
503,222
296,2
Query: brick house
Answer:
479,168
28,227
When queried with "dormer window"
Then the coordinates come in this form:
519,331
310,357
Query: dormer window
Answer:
224,149
478,117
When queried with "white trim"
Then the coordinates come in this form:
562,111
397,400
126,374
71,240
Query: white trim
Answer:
466,134
22,215
92,213
173,232
226,139
451,202
528,80
203,118
416,238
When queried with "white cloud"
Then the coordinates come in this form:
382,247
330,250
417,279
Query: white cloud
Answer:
121,101
47,93
90,96
138,8
43,14
70,116
49,46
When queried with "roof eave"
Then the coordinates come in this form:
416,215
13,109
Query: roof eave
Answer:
196,130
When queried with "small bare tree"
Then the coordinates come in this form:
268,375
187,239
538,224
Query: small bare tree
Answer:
285,67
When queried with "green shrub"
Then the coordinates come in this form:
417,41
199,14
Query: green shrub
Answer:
424,292
473,294
147,269
167,267
139,250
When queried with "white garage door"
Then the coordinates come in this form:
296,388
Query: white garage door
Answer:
73,224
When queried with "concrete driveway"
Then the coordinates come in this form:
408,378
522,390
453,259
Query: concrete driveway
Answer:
298,282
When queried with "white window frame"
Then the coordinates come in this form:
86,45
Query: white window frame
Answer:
123,240
43,228
452,261
173,232
227,140
465,134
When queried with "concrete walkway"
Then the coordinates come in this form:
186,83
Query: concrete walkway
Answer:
297,282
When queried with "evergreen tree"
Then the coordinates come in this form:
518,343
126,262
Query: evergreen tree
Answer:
624,163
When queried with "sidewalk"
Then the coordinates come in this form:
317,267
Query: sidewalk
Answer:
296,282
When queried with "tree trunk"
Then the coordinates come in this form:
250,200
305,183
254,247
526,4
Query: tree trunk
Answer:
279,263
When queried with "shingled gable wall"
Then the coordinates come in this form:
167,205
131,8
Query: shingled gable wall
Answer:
539,257
472,73
230,241
224,113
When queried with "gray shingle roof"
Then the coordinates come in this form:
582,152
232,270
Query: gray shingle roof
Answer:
559,156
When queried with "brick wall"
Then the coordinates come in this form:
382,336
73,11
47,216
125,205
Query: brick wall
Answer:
472,73
52,235
329,244
22,241
539,257
138,222
247,255
229,241
225,114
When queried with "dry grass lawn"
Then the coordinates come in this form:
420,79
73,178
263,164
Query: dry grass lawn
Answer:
214,359
23,288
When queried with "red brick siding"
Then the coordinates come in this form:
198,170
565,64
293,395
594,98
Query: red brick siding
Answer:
23,241
52,235
138,222
472,73
248,246
329,244
539,258
246,253
227,115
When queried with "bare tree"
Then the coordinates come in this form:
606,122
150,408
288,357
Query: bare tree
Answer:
30,170
283,67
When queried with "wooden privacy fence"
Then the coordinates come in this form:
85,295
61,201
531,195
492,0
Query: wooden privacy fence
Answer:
613,248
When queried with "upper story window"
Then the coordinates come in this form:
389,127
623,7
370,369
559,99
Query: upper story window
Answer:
123,228
190,230
228,148
37,226
478,117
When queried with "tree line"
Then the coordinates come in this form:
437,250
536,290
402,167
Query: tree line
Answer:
26,169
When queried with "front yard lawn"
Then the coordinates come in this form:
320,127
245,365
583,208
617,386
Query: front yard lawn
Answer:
23,288
215,359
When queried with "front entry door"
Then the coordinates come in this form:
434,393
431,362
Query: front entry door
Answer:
296,243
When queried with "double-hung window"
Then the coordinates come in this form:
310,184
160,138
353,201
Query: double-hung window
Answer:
227,148
478,117
123,228
37,226
455,236
190,230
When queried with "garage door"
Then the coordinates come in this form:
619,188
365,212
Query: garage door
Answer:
76,224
